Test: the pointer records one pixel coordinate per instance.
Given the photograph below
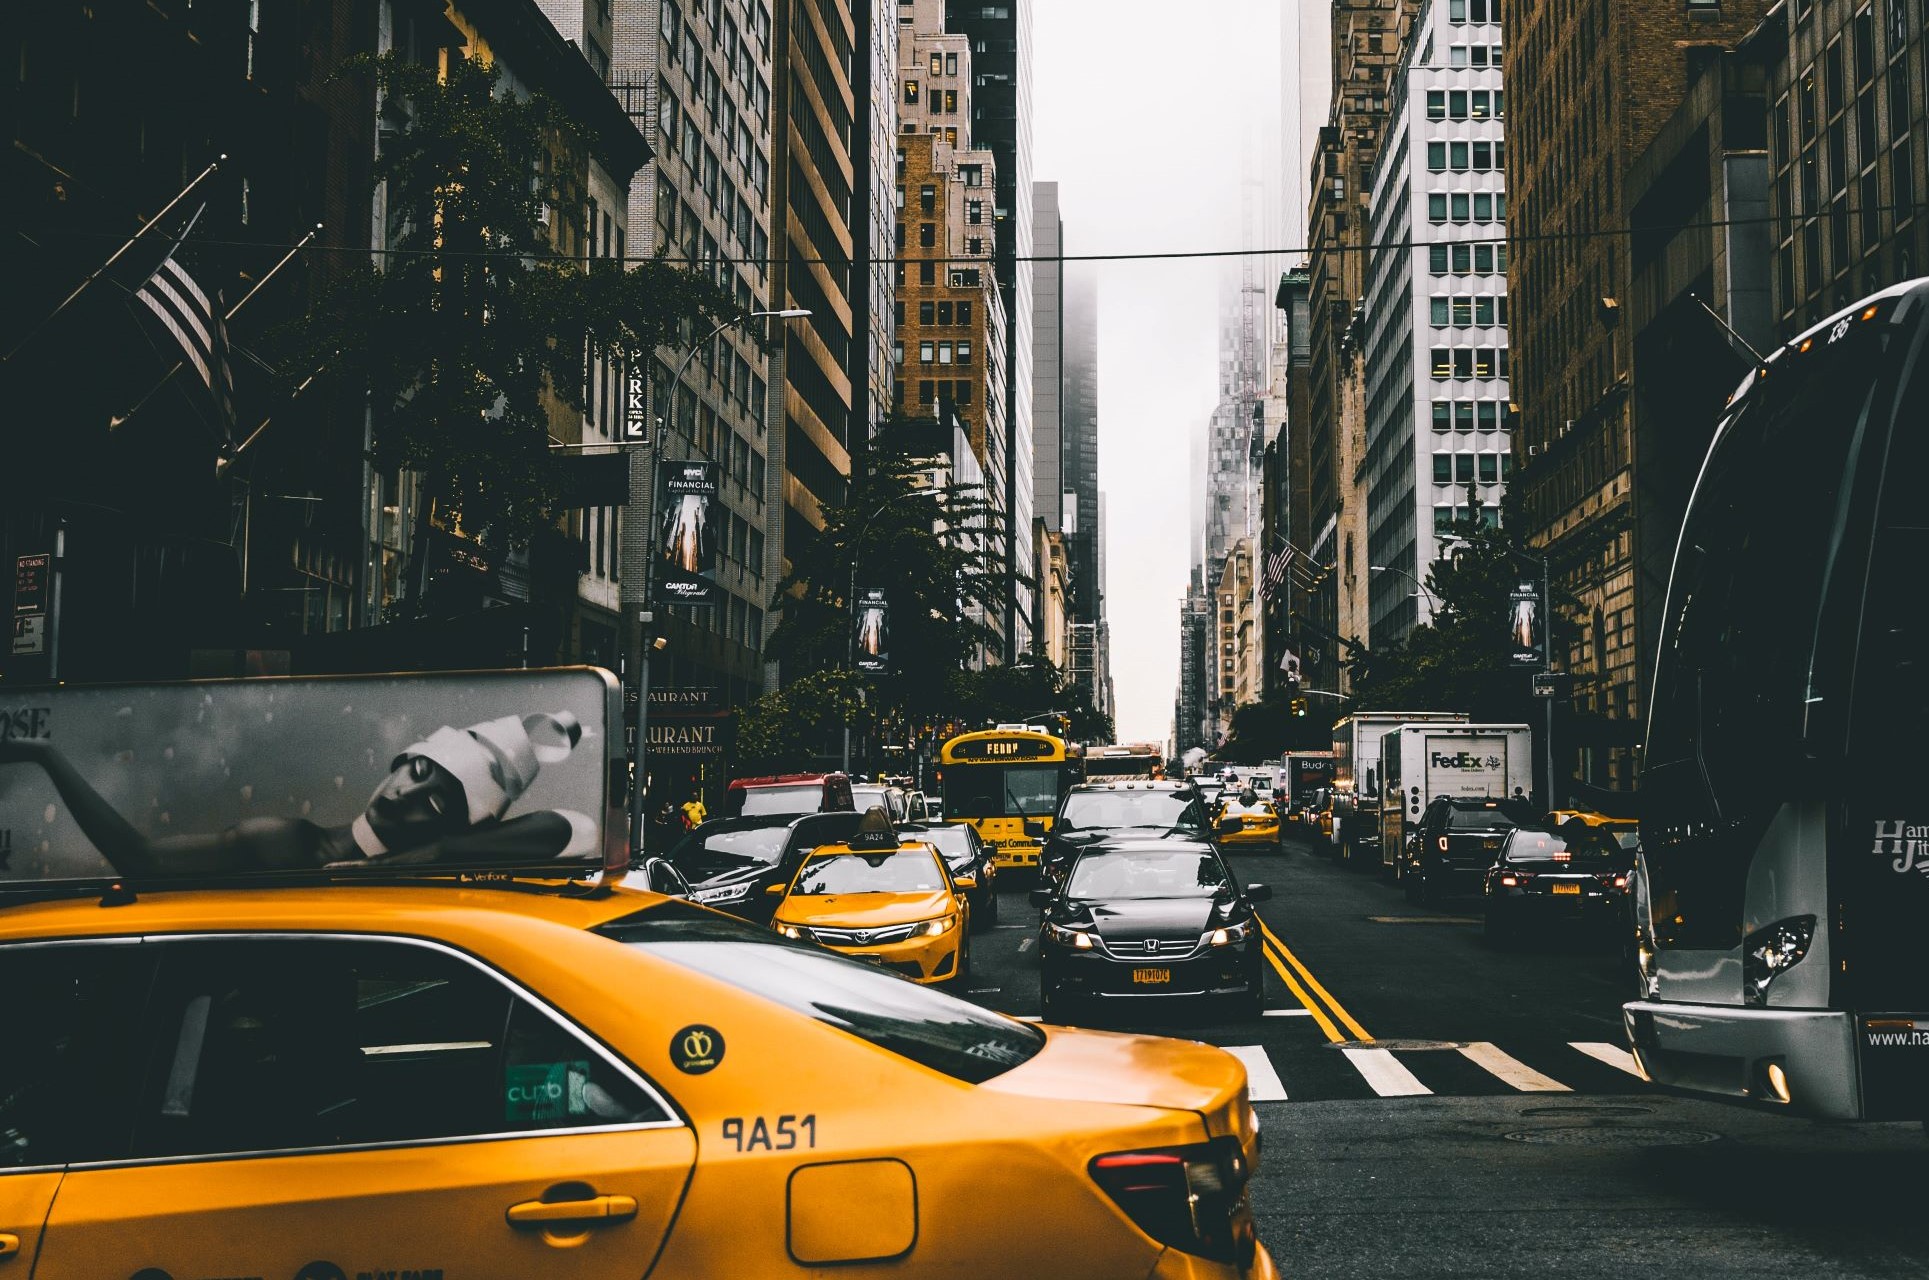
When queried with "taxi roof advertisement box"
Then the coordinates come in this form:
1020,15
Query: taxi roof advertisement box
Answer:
474,771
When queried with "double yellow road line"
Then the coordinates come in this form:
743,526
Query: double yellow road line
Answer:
1329,1013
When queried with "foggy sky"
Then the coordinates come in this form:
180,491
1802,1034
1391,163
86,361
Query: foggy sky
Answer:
1149,115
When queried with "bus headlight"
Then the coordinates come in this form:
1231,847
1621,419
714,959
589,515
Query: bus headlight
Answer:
1768,953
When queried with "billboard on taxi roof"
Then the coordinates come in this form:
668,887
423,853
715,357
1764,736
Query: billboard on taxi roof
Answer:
483,771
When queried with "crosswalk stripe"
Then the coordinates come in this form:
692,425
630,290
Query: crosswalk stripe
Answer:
1384,1073
1511,1071
1612,1054
1262,1082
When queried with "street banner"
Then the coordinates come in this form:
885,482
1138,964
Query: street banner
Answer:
478,771
873,625
1527,627
686,500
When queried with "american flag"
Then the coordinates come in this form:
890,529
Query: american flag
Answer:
199,327
1275,576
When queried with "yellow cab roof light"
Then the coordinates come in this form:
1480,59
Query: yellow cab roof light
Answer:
875,832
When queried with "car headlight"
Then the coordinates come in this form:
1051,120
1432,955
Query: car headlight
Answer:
936,928
1077,938
1769,953
726,893
1230,934
794,931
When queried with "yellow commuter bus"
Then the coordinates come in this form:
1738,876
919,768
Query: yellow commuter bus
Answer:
1007,783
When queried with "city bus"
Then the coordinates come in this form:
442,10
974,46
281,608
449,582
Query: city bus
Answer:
1122,762
1782,879
1007,783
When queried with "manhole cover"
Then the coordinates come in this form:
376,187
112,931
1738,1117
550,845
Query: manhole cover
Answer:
1404,1046
1632,1135
1587,1111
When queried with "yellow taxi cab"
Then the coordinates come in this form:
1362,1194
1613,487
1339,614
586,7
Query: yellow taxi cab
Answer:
1626,831
892,903
258,1026
1258,823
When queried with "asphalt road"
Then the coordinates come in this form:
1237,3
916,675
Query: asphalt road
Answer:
1433,1107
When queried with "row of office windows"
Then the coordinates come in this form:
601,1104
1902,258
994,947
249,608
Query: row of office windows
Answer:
1449,312
1466,415
936,391
1465,157
1466,468
1466,104
1467,206
1467,259
1468,362
939,313
935,353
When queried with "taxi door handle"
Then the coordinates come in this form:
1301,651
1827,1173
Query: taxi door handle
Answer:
532,1213
9,1245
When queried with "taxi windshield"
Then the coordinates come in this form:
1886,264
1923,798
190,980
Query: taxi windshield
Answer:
906,871
1130,809
1147,875
928,1027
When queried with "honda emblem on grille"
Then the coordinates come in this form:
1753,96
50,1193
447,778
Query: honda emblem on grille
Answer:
1151,946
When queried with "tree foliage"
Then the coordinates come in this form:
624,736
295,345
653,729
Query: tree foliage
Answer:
464,330
794,727
1462,659
1268,729
1023,690
923,546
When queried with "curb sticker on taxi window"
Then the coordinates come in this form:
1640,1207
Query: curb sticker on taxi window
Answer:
546,1091
696,1049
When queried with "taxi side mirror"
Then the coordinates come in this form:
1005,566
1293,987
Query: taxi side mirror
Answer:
775,890
1041,897
1259,892
965,882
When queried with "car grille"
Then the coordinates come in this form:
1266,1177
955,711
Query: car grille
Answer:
1162,948
865,937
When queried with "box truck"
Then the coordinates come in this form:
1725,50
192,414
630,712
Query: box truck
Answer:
1301,775
1420,762
1355,801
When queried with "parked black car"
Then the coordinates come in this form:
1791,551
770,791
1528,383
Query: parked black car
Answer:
1138,919
1546,876
967,855
730,862
1096,811
1455,841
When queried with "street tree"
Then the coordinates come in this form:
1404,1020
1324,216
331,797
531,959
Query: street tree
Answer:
473,323
1031,687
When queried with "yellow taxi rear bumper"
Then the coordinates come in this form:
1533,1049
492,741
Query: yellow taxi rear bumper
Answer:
1267,834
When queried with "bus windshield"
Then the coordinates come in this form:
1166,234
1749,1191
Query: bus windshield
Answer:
1001,791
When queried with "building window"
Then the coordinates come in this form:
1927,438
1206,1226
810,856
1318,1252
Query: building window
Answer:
927,234
1437,156
1489,413
1442,364
1437,207
1437,103
927,198
911,91
1461,206
1463,415
926,352
944,353
1457,104
1457,155
975,212
1439,312
951,64
1443,415
964,353
937,63
1489,468
1443,468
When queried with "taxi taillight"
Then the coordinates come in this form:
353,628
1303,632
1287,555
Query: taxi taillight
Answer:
1191,1198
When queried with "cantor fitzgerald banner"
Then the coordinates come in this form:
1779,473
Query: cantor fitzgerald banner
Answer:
873,623
686,536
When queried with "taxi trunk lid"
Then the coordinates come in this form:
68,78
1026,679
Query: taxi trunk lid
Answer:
1145,1071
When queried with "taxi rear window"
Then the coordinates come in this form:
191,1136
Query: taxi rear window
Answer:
938,1031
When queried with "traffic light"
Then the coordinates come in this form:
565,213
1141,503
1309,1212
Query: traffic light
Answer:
1299,706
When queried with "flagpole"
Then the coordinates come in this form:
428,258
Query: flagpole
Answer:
101,270
227,460
120,420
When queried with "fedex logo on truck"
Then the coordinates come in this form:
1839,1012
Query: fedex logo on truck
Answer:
1462,760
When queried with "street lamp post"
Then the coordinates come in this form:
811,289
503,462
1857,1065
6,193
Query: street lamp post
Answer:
1432,600
639,563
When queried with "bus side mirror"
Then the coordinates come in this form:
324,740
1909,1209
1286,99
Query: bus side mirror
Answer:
1034,829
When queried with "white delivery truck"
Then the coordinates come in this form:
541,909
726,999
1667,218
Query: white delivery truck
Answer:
1419,762
1356,776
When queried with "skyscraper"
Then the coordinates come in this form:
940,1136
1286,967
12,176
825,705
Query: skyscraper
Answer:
1001,116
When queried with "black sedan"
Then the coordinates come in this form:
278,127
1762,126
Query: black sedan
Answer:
730,862
1136,920
1094,812
967,855
1553,876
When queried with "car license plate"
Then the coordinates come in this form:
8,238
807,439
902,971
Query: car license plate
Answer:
1561,887
1151,977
